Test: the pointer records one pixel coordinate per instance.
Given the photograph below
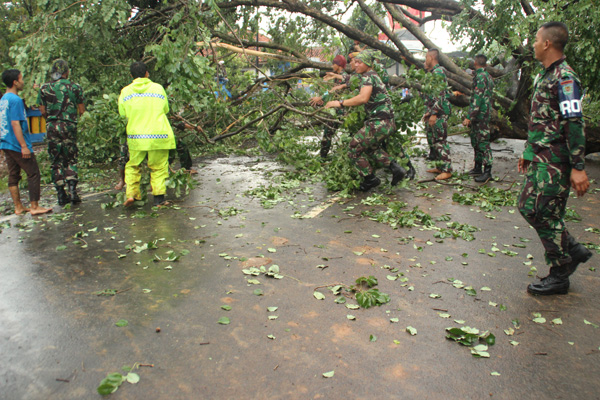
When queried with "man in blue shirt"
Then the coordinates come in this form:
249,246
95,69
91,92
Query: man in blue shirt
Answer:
16,145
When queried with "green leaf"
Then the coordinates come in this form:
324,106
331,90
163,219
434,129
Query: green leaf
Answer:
393,320
121,323
435,296
271,309
372,338
132,377
590,323
557,321
411,330
226,308
272,250
352,306
351,317
258,292
224,321
319,295
494,373
271,337
61,247
328,374
539,320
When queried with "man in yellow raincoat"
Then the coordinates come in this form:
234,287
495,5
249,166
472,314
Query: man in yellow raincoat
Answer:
149,134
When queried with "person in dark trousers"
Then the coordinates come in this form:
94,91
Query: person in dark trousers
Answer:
479,119
366,146
61,101
554,159
436,120
16,145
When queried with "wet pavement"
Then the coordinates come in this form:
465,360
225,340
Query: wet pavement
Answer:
58,337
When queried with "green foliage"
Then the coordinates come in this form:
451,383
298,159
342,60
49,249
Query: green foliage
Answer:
488,198
181,181
101,130
396,217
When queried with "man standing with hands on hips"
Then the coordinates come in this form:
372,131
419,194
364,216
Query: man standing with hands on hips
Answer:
554,159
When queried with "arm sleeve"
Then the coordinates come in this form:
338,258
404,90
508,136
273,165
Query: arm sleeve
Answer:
575,141
476,98
569,98
166,106
79,94
40,99
16,111
122,111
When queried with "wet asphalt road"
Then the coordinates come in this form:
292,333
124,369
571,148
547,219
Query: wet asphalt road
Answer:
58,338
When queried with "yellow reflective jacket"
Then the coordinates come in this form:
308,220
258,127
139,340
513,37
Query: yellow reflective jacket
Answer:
145,105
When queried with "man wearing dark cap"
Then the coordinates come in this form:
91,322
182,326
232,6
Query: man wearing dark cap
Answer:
61,101
339,77
366,146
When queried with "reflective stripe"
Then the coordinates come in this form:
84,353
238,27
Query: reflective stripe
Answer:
162,136
157,95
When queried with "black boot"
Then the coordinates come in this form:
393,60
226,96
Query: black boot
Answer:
431,156
557,282
73,191
579,254
476,169
369,182
158,200
398,173
486,176
63,197
412,172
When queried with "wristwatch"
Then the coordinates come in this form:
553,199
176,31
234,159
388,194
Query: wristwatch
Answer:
579,166
341,103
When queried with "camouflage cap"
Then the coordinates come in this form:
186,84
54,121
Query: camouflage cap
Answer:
368,57
59,67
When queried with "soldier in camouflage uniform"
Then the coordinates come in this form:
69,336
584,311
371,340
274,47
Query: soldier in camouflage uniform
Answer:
436,120
339,76
479,119
554,159
60,102
366,146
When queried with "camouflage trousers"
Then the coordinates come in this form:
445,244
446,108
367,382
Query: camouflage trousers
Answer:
62,149
543,202
480,140
366,147
328,134
437,136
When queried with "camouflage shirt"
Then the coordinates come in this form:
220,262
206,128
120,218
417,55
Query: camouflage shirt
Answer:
556,122
439,105
481,99
61,98
379,105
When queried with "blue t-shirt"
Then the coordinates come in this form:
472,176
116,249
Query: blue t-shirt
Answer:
12,109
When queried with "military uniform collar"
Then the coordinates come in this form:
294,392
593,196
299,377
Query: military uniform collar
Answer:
555,63
480,69
434,67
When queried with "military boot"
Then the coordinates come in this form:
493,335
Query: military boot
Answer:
486,176
579,254
73,191
398,173
431,156
63,197
324,151
476,169
412,172
369,182
557,282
